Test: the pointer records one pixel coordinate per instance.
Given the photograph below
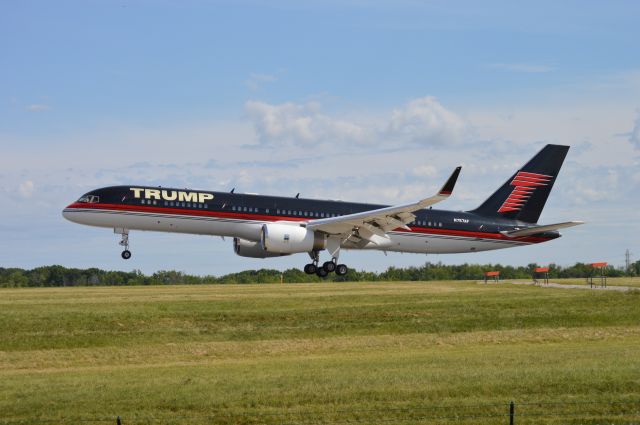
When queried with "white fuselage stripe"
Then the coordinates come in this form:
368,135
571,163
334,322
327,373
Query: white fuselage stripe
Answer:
416,242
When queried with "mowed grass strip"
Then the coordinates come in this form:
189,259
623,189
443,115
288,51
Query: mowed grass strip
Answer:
109,317
330,353
632,282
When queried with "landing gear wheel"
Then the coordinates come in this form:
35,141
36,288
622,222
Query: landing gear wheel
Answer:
341,269
329,266
321,272
310,268
126,254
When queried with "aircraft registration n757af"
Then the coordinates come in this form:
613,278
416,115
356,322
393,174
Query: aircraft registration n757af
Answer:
272,226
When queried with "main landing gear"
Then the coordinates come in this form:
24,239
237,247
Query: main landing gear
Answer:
326,268
124,242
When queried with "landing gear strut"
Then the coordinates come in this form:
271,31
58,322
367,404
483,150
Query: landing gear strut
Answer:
124,242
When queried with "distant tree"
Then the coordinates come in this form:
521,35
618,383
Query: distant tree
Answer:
60,276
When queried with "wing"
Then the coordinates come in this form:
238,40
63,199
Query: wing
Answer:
378,222
539,229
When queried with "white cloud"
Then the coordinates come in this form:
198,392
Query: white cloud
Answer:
37,107
422,121
25,189
634,137
255,81
292,124
425,171
425,121
522,67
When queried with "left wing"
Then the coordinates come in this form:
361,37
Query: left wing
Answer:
378,222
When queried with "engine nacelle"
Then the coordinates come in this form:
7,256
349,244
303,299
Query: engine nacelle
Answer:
251,249
290,238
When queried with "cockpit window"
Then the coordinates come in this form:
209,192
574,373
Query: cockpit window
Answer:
90,199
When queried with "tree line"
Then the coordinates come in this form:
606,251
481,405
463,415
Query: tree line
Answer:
58,276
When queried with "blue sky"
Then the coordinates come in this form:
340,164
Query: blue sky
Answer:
364,101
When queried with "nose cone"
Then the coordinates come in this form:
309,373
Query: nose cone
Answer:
68,212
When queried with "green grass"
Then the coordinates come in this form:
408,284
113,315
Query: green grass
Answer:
633,282
398,353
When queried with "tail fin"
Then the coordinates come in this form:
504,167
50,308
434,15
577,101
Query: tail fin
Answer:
523,196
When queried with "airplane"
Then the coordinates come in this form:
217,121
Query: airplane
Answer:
274,226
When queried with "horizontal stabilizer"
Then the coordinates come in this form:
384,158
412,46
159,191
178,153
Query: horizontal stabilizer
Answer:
539,229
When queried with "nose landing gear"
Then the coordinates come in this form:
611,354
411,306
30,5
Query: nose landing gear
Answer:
124,242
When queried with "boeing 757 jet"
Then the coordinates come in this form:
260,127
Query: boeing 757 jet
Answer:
273,226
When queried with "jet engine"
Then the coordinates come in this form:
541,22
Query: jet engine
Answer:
290,239
251,249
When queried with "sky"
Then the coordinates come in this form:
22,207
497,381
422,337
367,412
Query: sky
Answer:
366,101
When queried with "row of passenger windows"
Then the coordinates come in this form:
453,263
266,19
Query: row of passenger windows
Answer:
314,214
175,204
427,223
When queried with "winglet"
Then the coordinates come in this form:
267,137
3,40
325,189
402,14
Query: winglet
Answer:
447,189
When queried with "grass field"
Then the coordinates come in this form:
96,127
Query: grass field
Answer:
633,282
393,353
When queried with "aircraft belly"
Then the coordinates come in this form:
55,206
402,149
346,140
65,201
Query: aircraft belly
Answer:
167,223
439,244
